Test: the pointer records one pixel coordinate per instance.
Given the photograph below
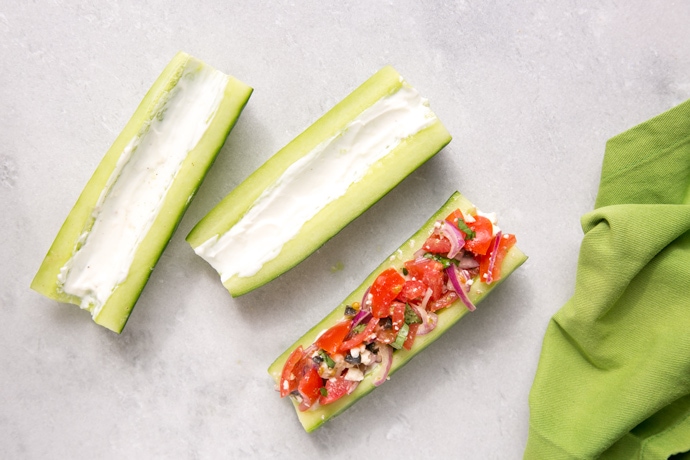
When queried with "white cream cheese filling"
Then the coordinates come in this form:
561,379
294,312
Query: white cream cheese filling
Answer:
313,181
136,189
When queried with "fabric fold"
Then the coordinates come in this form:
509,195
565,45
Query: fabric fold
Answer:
613,379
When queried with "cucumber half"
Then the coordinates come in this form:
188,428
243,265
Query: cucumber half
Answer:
107,247
313,418
327,176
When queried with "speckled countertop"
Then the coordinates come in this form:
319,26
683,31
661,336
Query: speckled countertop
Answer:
531,91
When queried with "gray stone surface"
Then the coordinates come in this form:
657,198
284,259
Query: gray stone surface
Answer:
531,91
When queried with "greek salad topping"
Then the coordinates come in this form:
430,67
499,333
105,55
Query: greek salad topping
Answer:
400,305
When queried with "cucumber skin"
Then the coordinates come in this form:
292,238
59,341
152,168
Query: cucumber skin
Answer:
381,178
115,312
312,419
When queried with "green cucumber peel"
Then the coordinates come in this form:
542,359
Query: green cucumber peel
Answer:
381,177
116,310
448,316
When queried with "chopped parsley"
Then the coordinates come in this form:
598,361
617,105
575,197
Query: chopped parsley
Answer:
469,233
405,272
438,258
358,328
329,362
401,337
411,316
323,391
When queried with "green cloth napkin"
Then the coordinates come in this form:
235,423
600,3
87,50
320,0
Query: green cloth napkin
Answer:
613,379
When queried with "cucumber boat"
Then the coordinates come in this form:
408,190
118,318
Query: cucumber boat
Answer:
110,242
319,182
427,285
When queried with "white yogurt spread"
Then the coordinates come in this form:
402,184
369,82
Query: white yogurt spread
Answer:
318,178
135,191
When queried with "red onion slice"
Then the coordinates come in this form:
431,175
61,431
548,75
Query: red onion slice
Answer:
426,298
459,287
452,233
492,258
384,367
466,274
361,317
419,254
467,262
364,306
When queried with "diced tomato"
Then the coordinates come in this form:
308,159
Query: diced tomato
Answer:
336,388
412,290
435,281
454,216
331,340
359,338
506,242
417,268
398,315
483,229
436,244
428,271
447,299
288,378
385,289
384,335
411,334
309,387
484,266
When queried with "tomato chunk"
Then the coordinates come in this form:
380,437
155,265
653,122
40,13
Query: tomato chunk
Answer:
506,242
411,334
428,271
359,338
483,229
412,290
336,388
385,289
454,216
331,340
385,335
398,315
446,300
437,244
288,378
309,387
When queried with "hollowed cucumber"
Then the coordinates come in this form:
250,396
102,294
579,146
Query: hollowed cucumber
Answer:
313,418
188,99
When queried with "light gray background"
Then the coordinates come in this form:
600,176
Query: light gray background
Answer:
531,91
